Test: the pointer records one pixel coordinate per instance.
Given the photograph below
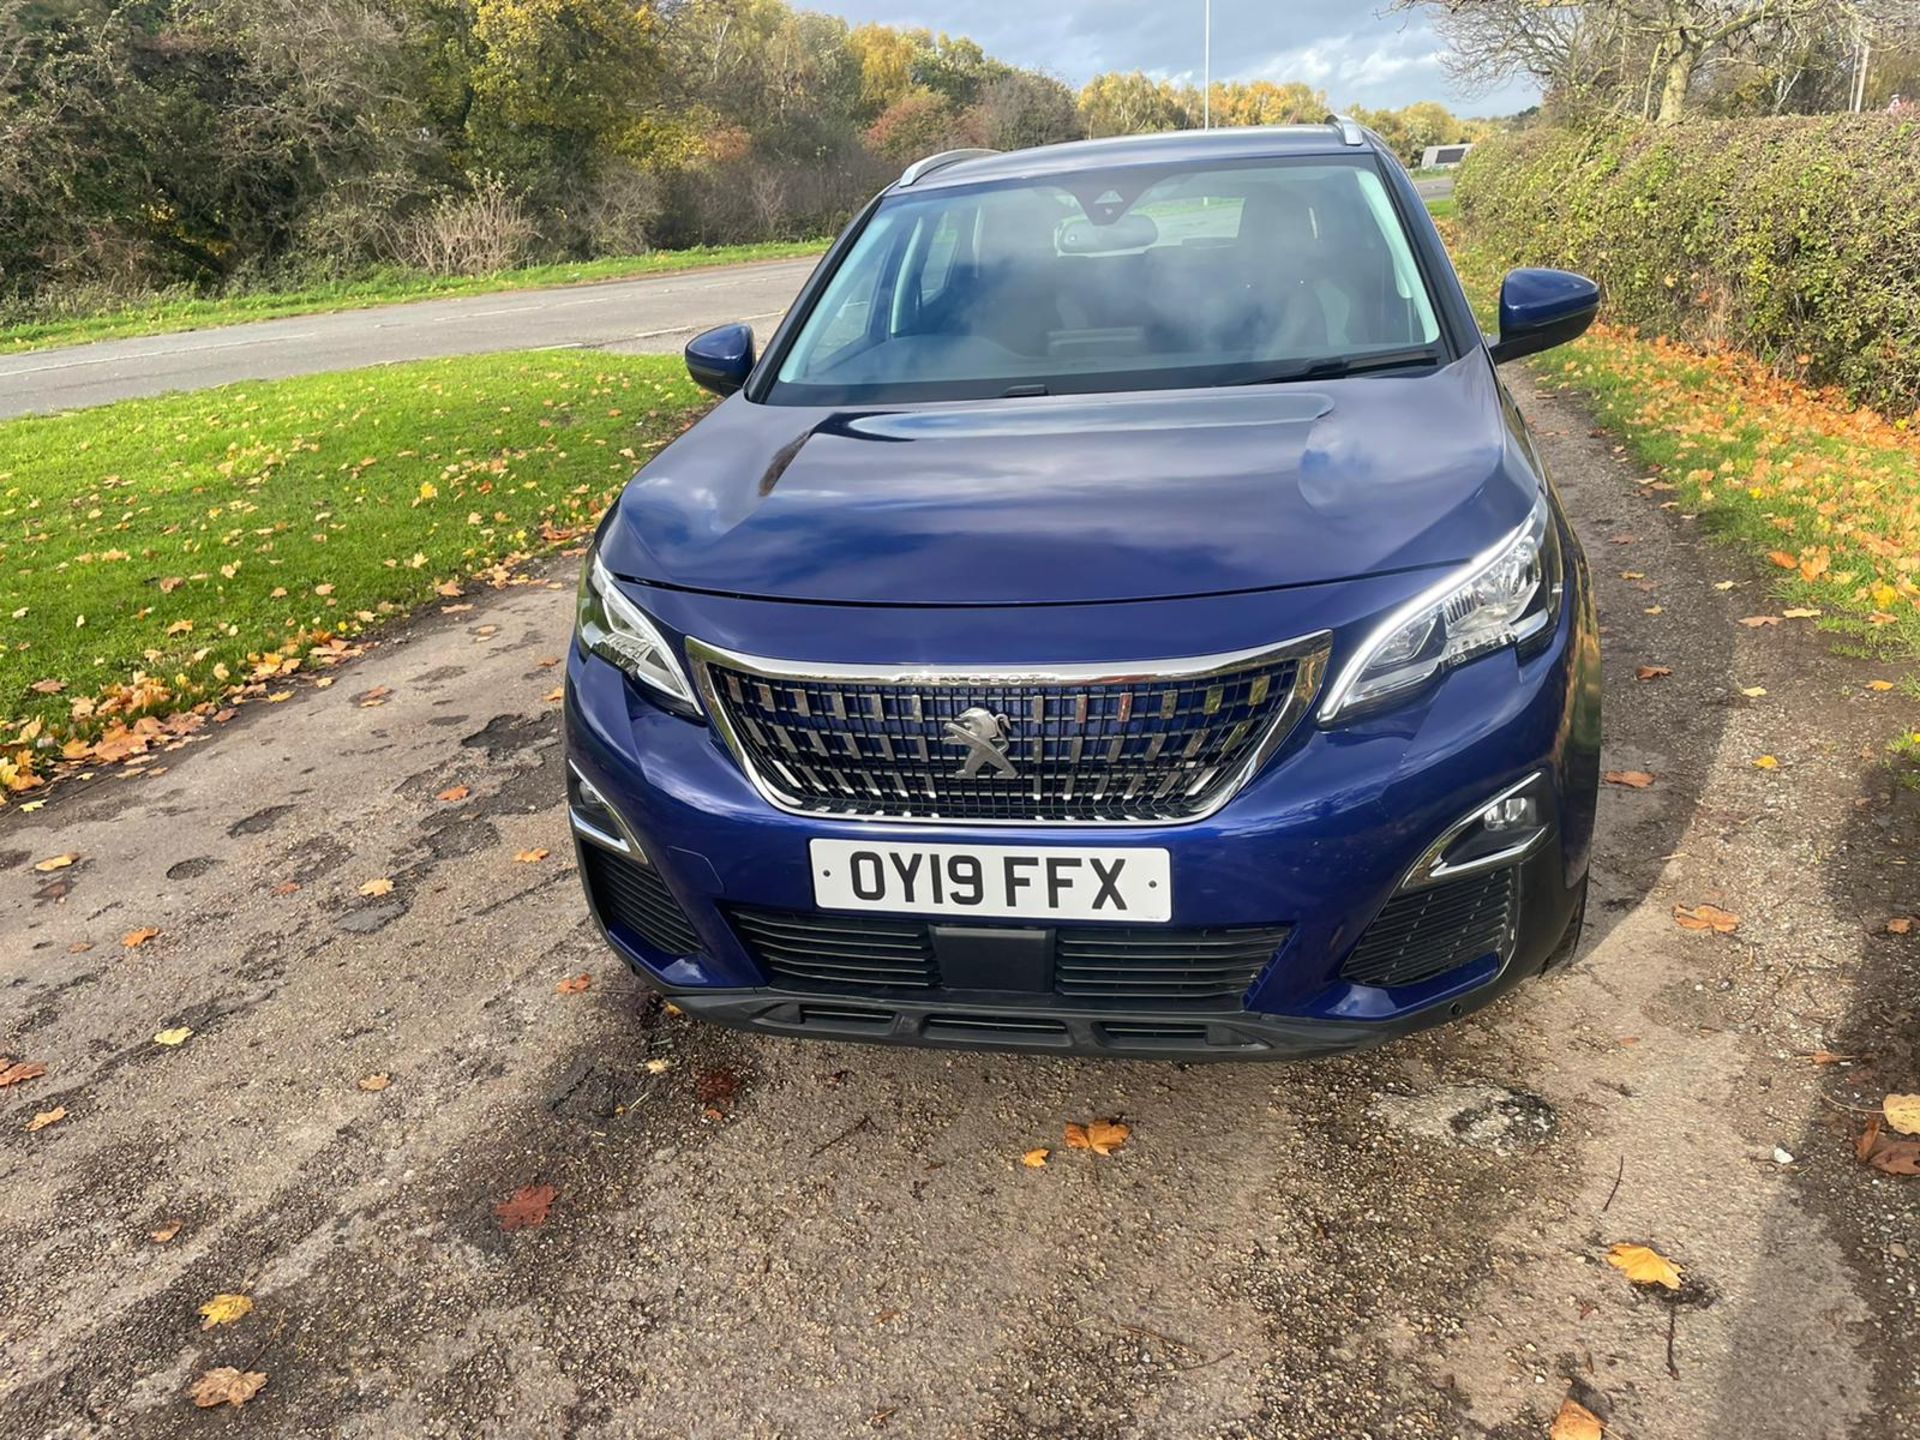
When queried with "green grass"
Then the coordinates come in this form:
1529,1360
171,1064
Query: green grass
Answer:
1443,209
153,551
1825,494
167,315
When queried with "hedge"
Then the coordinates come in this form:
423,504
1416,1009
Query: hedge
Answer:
1797,239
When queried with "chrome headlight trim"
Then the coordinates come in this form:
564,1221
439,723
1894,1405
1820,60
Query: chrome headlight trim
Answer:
611,626
1526,563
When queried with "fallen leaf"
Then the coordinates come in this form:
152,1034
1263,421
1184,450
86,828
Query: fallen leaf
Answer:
1828,1057
286,887
573,985
381,886
175,1036
1799,613
48,687
1036,1158
1879,685
58,862
1652,672
1575,1422
533,856
659,1067
48,1117
323,589
526,1208
1784,560
1634,779
1103,1137
134,939
1706,917
225,1310
1896,1157
167,1231
1903,1113
377,1081
1900,925
1644,1266
1753,692
1767,762
1756,622
716,1086
1724,584
19,1072
1870,1137
555,695
227,1386
454,792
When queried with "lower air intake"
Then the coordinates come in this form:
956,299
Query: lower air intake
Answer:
1425,933
633,901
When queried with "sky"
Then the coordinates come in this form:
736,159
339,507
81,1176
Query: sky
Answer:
1344,47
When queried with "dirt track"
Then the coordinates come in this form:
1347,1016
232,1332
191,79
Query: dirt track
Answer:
773,1238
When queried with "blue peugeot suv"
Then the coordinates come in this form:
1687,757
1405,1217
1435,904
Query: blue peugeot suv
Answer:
1121,612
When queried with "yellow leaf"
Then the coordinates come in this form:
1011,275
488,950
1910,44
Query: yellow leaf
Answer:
1103,1137
533,856
1644,1266
1632,779
58,862
1801,613
48,1117
1879,685
1784,560
554,696
134,939
1753,692
1903,1113
659,1067
1706,917
225,1310
378,1081
380,886
1036,1158
1766,762
1575,1422
167,1231
175,1036
428,490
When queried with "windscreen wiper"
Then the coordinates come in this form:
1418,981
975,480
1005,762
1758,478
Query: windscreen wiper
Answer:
1335,367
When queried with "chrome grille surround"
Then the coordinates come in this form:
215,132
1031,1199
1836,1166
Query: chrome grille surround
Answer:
1159,742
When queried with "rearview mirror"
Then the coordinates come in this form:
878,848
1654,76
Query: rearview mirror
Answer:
720,360
1540,309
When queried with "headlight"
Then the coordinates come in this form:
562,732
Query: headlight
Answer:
618,631
1508,596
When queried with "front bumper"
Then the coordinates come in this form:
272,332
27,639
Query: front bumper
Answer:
1319,842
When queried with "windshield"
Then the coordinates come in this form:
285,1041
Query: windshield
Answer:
1128,279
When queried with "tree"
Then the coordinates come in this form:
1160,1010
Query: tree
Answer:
1021,109
1134,104
1613,51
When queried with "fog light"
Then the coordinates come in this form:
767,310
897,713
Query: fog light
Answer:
1503,831
594,818
1511,812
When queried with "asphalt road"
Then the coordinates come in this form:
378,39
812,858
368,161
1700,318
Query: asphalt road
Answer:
753,1237
656,314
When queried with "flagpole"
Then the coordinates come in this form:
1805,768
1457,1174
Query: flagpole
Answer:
1206,101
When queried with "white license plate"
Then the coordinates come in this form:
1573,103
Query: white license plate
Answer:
1004,881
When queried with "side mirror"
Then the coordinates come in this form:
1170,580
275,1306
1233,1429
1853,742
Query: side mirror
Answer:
1540,309
720,360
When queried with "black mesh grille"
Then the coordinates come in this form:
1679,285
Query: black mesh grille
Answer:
633,898
1139,750
1425,933
803,949
1139,964
808,950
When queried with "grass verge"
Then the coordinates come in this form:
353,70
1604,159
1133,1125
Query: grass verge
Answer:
174,556
1825,491
167,315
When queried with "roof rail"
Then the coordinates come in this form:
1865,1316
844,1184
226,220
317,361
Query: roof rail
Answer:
1349,128
920,169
